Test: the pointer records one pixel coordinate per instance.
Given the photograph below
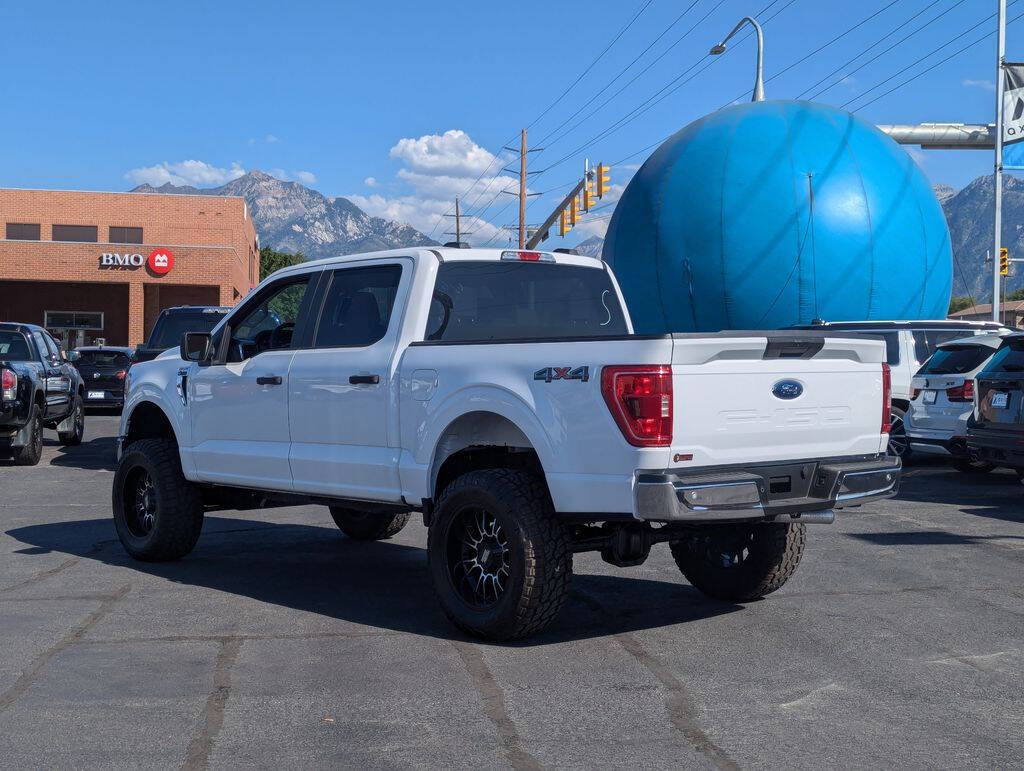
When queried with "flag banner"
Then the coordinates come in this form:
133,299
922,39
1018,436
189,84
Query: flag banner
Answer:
1013,116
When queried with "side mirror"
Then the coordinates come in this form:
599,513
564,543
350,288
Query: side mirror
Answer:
196,346
73,356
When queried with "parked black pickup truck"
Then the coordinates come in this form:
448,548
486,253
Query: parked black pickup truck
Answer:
172,323
995,432
38,387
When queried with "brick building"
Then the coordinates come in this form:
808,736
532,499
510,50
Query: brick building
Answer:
103,265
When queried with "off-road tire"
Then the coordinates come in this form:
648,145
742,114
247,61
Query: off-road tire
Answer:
968,466
73,438
773,553
368,526
31,452
178,516
539,562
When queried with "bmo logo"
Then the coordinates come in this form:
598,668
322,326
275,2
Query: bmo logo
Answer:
160,261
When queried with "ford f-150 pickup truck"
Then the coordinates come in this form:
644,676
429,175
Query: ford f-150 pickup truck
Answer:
38,387
503,395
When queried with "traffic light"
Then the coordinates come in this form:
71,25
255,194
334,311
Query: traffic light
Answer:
1004,261
603,179
588,187
572,210
563,226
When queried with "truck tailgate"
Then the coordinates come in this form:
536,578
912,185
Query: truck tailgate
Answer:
757,397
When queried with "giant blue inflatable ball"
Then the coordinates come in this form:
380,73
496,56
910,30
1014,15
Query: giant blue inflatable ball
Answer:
769,214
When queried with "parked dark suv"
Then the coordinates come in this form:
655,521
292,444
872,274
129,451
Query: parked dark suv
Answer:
995,432
173,323
103,369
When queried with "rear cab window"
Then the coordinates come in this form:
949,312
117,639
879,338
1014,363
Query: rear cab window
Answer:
487,300
103,358
170,327
14,346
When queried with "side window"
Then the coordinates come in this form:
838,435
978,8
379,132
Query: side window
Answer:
926,341
41,348
52,347
269,323
357,306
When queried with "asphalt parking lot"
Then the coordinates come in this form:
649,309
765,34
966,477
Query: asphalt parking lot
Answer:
899,642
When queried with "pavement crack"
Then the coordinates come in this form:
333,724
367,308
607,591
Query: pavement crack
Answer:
212,718
679,703
44,574
22,684
494,705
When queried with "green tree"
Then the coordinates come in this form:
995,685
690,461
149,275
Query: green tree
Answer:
1016,294
958,304
271,260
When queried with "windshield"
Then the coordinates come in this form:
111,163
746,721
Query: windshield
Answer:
170,327
513,300
14,347
103,358
956,361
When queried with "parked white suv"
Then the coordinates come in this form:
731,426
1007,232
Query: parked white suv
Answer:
942,398
908,344
504,396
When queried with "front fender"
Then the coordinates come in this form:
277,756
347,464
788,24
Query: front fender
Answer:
156,382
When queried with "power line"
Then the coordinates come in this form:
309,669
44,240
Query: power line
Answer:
922,58
932,67
879,55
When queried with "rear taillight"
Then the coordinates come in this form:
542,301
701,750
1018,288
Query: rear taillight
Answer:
120,374
914,393
8,385
640,400
962,393
886,393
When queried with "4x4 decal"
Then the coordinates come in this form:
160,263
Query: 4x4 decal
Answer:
547,374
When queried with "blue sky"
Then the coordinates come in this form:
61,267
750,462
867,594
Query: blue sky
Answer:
400,105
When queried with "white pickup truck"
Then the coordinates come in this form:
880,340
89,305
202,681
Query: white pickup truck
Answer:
504,396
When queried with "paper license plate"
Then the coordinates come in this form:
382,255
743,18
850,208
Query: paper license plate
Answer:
97,394
1000,400
929,397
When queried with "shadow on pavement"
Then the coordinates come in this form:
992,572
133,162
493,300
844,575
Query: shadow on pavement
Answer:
991,496
90,454
381,584
927,538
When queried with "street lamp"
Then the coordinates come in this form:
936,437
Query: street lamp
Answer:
719,48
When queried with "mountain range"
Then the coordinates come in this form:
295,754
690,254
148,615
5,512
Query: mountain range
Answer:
291,217
969,217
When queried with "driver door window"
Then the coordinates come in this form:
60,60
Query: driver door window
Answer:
270,324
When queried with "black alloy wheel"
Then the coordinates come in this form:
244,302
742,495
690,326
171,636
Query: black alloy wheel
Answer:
478,557
899,445
140,504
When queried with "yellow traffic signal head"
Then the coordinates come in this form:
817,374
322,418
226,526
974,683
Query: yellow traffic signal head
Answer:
1004,261
603,179
572,211
562,229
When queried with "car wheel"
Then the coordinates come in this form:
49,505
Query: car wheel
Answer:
740,562
899,445
368,526
968,466
499,560
31,452
158,514
73,437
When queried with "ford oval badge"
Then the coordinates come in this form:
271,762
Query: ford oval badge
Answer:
787,389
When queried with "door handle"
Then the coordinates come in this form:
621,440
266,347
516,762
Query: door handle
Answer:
364,379
269,380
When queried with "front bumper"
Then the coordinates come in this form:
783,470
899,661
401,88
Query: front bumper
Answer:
764,491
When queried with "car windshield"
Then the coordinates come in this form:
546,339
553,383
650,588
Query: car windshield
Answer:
103,358
14,346
956,361
171,326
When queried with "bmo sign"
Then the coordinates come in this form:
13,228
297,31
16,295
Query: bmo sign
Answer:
160,261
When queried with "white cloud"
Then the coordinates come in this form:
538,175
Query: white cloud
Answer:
450,153
279,173
270,139
305,177
370,182
984,85
191,172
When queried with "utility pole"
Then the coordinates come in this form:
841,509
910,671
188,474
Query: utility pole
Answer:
523,195
998,170
458,233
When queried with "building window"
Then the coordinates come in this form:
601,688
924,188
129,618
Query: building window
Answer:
120,235
22,231
73,319
75,233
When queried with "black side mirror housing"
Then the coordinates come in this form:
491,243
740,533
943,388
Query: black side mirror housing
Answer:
196,346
